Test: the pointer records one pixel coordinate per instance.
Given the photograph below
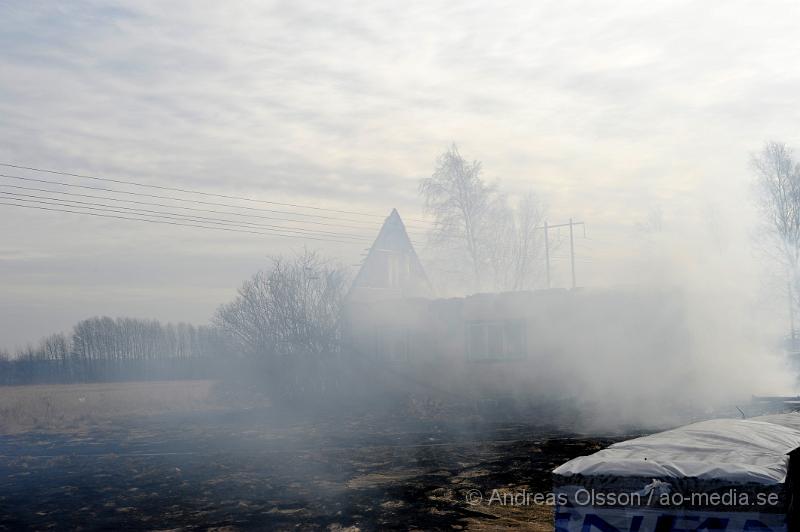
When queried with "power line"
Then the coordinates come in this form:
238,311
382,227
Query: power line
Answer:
169,217
185,200
186,217
172,223
178,216
142,194
154,204
190,191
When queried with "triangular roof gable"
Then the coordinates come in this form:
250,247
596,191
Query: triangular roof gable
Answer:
393,240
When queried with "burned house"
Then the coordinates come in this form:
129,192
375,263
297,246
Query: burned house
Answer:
508,343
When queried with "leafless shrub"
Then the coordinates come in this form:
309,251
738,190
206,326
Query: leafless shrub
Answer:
289,318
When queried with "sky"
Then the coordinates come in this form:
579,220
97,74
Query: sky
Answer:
638,118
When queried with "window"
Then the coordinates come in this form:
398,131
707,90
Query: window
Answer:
396,267
496,340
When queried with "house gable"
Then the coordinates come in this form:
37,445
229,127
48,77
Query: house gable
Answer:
391,268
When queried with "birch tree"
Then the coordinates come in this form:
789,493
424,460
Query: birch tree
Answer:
461,203
501,243
778,179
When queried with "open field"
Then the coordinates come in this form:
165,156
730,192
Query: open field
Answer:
257,468
79,406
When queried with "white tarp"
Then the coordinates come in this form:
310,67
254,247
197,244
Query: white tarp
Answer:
737,450
791,420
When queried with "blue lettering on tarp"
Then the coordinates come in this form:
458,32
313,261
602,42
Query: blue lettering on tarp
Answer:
713,523
665,523
561,521
751,525
710,524
625,522
594,523
674,523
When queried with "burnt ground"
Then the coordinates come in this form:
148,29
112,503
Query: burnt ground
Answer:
251,470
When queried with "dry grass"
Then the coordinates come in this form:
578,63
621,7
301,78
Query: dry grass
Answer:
62,407
533,518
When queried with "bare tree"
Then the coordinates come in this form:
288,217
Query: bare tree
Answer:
526,241
461,203
289,317
778,179
501,243
516,245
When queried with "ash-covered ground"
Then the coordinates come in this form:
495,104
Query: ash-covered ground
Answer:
255,469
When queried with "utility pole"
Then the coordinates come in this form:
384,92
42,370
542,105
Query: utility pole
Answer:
791,315
572,251
547,252
571,226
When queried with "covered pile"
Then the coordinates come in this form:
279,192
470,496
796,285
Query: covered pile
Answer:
723,474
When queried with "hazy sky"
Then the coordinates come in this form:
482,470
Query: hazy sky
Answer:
632,116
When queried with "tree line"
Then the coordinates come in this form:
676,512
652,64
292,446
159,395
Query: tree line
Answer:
284,326
102,348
